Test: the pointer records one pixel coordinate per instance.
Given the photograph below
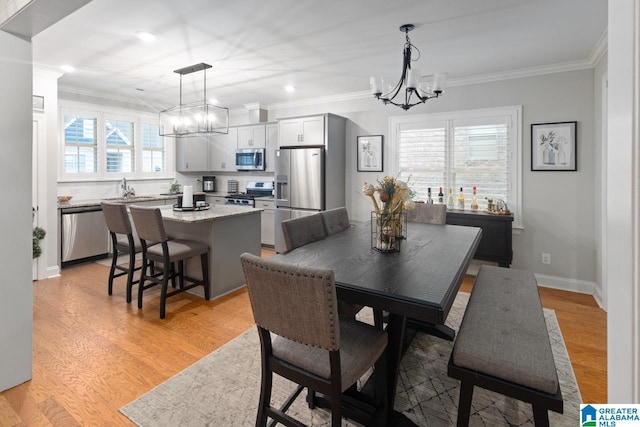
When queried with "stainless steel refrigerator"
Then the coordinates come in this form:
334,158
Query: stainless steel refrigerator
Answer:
300,186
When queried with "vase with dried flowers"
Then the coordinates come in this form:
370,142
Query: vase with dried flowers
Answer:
391,199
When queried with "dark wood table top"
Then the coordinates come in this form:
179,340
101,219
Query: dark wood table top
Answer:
421,281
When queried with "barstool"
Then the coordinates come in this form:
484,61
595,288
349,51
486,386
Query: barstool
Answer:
123,241
150,228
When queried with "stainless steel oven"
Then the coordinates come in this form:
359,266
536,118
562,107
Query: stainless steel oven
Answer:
250,159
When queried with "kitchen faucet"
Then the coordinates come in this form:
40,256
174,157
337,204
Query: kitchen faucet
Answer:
126,191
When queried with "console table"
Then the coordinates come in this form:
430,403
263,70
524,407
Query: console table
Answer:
496,234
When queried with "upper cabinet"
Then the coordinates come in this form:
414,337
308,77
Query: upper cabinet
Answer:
192,154
222,151
252,136
272,146
301,131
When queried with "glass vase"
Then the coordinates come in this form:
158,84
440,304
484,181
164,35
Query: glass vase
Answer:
387,231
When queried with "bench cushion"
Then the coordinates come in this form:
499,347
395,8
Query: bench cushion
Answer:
503,332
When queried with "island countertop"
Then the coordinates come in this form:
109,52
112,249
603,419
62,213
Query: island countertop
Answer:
214,212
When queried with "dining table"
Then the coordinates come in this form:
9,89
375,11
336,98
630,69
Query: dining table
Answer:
418,282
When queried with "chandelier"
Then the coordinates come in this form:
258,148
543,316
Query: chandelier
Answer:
411,83
195,118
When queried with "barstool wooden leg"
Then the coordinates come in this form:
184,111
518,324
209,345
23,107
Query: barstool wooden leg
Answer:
163,292
204,259
132,262
114,262
143,276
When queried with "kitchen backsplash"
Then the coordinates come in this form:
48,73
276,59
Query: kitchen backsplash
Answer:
104,189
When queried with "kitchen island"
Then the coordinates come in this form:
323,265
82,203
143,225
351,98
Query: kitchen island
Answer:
229,231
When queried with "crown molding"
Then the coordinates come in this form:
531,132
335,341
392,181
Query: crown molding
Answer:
460,81
599,49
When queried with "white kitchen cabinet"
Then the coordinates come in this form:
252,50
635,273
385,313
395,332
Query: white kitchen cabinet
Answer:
222,151
301,131
267,236
271,130
252,136
192,154
215,200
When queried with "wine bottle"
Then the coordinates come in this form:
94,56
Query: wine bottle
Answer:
429,199
461,200
474,200
441,196
450,199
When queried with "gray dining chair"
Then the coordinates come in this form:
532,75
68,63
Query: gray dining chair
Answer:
428,213
301,231
308,346
335,220
150,227
123,241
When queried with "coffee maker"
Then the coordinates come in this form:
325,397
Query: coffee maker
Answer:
208,184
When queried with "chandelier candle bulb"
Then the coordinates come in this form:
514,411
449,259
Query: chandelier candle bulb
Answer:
412,79
376,85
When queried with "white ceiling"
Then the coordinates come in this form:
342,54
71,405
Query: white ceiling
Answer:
323,48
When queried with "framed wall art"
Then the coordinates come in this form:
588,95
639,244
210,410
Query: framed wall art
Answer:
370,157
553,146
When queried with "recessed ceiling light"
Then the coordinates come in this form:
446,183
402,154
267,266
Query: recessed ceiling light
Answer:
67,68
290,88
145,36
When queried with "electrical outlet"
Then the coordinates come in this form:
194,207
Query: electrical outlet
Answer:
546,258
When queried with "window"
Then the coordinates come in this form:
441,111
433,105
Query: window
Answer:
80,144
462,149
153,152
100,144
119,137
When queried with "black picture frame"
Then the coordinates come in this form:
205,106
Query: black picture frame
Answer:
370,154
554,146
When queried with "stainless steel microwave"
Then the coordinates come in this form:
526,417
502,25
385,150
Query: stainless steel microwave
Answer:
250,159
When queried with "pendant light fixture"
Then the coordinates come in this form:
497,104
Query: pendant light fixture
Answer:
411,83
195,118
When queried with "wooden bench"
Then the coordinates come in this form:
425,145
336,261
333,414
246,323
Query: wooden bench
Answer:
503,344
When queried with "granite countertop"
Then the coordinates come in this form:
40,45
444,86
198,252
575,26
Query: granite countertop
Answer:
213,213
135,199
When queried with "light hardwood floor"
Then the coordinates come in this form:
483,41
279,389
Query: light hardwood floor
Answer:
93,353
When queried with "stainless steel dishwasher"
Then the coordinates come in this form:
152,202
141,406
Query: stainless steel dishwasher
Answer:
84,236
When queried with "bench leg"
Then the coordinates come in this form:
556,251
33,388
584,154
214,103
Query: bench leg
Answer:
464,405
540,416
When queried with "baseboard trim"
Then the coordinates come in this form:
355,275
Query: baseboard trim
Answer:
53,271
554,282
564,284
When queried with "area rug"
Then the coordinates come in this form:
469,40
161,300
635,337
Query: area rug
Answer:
222,389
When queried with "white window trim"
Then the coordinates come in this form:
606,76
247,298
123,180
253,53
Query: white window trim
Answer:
515,148
102,113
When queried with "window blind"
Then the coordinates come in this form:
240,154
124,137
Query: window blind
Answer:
120,146
80,144
153,150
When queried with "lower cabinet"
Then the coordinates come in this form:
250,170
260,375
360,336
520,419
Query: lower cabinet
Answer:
268,221
495,244
215,200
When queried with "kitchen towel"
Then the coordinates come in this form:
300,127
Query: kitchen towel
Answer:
187,196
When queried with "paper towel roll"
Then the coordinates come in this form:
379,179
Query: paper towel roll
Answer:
187,196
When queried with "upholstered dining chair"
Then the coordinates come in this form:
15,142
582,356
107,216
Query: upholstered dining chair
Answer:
310,346
335,220
428,213
124,242
150,227
303,230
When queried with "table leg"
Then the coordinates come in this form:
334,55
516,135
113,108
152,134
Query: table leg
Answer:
395,331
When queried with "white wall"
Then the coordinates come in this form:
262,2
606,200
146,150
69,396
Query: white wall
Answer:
16,306
623,299
558,207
